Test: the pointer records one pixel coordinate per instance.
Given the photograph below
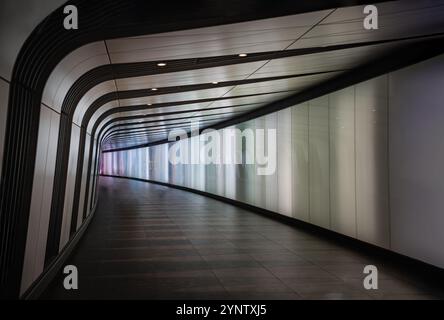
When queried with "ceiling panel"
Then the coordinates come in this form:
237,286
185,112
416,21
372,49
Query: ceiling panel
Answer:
259,99
202,120
264,35
326,61
142,128
183,112
198,76
145,125
396,19
289,84
121,136
124,140
193,115
172,97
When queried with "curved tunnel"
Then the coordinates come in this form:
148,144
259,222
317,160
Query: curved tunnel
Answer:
355,114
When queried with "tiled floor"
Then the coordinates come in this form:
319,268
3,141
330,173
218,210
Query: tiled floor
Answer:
153,242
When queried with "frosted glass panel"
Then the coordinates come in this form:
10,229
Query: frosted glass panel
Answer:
284,162
342,161
372,206
299,158
318,158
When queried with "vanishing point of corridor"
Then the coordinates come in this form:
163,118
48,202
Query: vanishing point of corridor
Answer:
153,242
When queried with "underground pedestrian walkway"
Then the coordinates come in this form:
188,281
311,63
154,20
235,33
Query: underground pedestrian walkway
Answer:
148,241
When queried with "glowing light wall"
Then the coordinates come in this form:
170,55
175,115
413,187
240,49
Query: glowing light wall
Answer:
365,161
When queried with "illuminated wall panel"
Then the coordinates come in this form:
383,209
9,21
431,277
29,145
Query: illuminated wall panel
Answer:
259,183
212,161
299,158
372,203
416,142
318,162
342,161
271,181
220,173
246,171
284,162
229,147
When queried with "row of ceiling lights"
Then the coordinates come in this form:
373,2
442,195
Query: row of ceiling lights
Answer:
163,64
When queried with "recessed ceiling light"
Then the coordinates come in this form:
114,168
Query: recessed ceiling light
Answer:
242,54
153,89
214,82
161,64
149,104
